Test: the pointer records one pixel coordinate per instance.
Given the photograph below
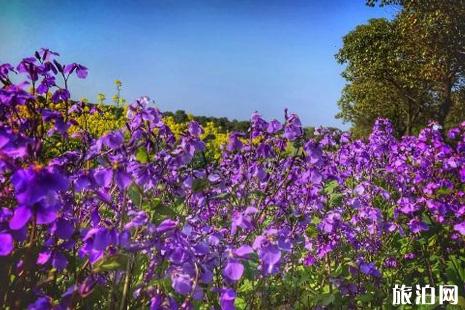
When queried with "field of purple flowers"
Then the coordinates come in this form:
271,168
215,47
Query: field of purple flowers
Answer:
140,219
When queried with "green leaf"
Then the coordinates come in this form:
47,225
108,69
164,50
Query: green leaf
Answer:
111,263
443,191
135,194
330,187
199,185
240,303
246,286
327,299
460,304
366,297
251,268
141,155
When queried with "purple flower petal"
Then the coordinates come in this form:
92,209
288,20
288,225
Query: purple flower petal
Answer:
113,140
102,239
64,228
460,228
122,178
44,257
181,283
166,225
20,217
59,261
103,177
46,214
243,251
233,270
270,257
81,71
228,295
6,244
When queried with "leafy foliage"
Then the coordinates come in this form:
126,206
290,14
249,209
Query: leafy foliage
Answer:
409,69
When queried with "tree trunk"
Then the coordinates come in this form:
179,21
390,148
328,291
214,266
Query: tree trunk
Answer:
446,104
408,125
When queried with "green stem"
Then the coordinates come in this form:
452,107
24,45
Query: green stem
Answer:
127,281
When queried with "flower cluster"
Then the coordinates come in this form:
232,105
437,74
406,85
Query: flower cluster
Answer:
138,217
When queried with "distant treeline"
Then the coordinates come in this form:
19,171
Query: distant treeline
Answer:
223,123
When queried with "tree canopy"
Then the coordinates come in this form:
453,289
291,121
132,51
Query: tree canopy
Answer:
410,69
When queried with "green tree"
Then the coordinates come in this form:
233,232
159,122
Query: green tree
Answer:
408,69
383,2
381,81
433,32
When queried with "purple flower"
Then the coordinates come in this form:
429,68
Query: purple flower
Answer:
21,216
233,270
64,228
103,177
330,222
417,226
369,269
227,298
270,257
390,262
81,71
99,238
59,261
195,129
44,257
42,303
138,219
181,283
243,251
341,196
102,239
82,182
160,301
5,69
407,206
122,178
293,128
315,177
234,143
460,228
6,244
167,225
410,256
268,253
45,85
29,66
47,54
36,183
36,192
13,145
242,219
313,152
113,140
462,174
309,260
60,94
257,125
87,286
274,126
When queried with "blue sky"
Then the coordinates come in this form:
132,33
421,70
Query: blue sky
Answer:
215,58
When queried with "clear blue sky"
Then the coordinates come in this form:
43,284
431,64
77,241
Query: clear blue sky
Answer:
215,58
